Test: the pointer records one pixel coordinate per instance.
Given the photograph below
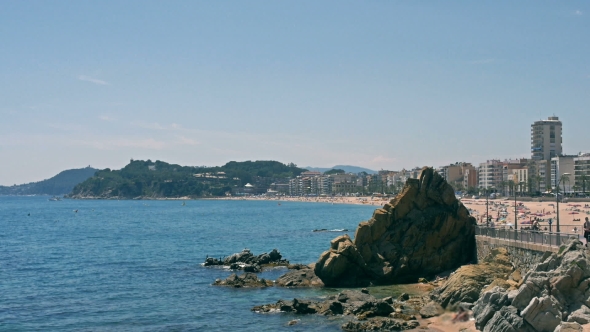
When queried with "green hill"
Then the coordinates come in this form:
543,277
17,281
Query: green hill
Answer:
61,184
147,179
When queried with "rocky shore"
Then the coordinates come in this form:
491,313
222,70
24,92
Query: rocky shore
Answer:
421,235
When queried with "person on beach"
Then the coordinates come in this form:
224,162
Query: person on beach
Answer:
586,230
461,316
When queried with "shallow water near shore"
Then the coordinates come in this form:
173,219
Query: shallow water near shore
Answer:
136,265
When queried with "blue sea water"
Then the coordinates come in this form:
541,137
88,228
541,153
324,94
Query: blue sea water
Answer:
136,265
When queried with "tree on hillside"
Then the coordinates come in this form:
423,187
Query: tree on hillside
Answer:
334,171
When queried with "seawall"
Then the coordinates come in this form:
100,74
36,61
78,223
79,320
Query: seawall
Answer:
523,255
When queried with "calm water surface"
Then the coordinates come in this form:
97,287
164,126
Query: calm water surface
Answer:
135,265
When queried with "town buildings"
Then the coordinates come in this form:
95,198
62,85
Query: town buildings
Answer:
536,175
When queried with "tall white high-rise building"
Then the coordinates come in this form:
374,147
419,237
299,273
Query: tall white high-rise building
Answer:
546,139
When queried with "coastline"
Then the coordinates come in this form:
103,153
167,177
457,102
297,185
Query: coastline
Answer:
362,200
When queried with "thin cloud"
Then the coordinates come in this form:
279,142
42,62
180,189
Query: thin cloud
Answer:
186,141
92,80
578,13
380,159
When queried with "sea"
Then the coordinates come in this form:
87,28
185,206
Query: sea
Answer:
136,265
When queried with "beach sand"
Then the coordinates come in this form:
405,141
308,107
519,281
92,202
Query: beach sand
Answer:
571,215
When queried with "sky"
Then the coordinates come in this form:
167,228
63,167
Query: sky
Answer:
377,84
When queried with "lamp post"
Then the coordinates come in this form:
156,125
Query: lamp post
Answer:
515,210
557,195
486,191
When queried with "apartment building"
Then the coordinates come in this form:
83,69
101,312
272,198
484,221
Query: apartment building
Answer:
546,140
491,174
582,172
459,173
559,166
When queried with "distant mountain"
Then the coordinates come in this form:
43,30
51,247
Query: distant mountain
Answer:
61,184
346,168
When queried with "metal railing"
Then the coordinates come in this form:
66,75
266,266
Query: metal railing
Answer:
527,236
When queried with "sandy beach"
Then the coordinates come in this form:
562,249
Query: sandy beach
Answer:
571,215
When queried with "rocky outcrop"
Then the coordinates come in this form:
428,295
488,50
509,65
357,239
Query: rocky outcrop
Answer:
468,281
367,312
380,324
247,261
554,296
423,231
299,276
242,281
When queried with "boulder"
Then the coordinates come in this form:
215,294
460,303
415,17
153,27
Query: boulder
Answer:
581,316
543,314
468,282
491,302
431,309
245,280
507,320
423,231
569,327
300,278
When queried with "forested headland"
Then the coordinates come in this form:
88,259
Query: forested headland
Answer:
147,179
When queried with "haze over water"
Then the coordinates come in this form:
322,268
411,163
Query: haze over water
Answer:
135,265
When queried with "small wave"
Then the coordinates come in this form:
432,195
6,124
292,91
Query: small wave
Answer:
330,230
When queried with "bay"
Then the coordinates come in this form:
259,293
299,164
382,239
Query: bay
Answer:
94,265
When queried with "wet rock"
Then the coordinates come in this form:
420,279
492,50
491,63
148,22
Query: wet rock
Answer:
252,268
380,324
210,261
420,233
403,297
245,280
246,259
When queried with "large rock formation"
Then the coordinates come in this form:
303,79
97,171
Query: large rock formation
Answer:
423,231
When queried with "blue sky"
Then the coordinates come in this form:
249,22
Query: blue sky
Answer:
378,84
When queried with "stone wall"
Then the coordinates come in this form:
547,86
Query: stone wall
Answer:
522,255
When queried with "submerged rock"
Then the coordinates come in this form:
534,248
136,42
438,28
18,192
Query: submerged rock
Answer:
423,231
